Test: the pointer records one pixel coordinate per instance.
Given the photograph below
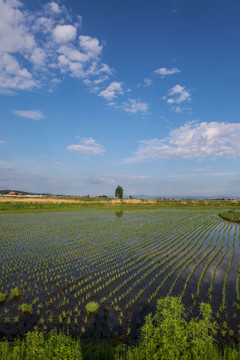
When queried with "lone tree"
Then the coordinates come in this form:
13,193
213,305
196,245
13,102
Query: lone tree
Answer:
119,192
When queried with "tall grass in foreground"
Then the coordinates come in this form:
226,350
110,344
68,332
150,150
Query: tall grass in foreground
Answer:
166,335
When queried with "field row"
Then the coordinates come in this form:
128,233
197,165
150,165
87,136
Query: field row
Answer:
53,264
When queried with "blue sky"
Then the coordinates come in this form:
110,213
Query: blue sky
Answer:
144,94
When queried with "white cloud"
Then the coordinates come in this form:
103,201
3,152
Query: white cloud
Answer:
90,46
2,142
14,33
44,25
37,47
54,7
38,57
164,71
134,106
177,109
192,140
64,33
114,89
73,54
87,146
148,81
96,69
100,80
180,109
117,178
31,114
177,94
204,175
12,76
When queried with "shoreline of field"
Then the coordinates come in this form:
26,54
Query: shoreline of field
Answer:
29,204
230,216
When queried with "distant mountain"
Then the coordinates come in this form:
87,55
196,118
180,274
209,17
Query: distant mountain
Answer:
143,196
5,192
137,196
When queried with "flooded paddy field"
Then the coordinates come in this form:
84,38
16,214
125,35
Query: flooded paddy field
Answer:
52,264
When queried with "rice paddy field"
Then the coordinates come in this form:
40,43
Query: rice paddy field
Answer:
53,264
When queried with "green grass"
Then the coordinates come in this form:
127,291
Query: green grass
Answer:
96,203
230,215
167,335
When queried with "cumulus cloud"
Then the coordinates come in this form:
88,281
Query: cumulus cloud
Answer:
39,48
176,95
87,146
31,114
64,33
133,106
164,71
90,45
38,57
36,47
13,76
14,32
192,140
54,7
114,89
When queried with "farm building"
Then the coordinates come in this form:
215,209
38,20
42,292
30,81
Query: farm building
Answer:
13,193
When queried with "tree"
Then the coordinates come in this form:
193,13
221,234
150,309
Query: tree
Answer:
119,192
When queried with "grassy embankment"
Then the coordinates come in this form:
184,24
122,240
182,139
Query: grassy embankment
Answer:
18,204
231,215
166,335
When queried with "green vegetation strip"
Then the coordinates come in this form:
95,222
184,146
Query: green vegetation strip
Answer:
231,215
100,203
166,335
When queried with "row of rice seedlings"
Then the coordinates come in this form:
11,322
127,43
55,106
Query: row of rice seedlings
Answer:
218,263
238,278
198,263
156,276
180,255
222,306
48,248
186,262
164,262
130,278
140,270
210,260
145,261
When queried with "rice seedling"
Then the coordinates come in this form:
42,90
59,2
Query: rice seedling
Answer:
15,294
26,309
92,308
2,298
